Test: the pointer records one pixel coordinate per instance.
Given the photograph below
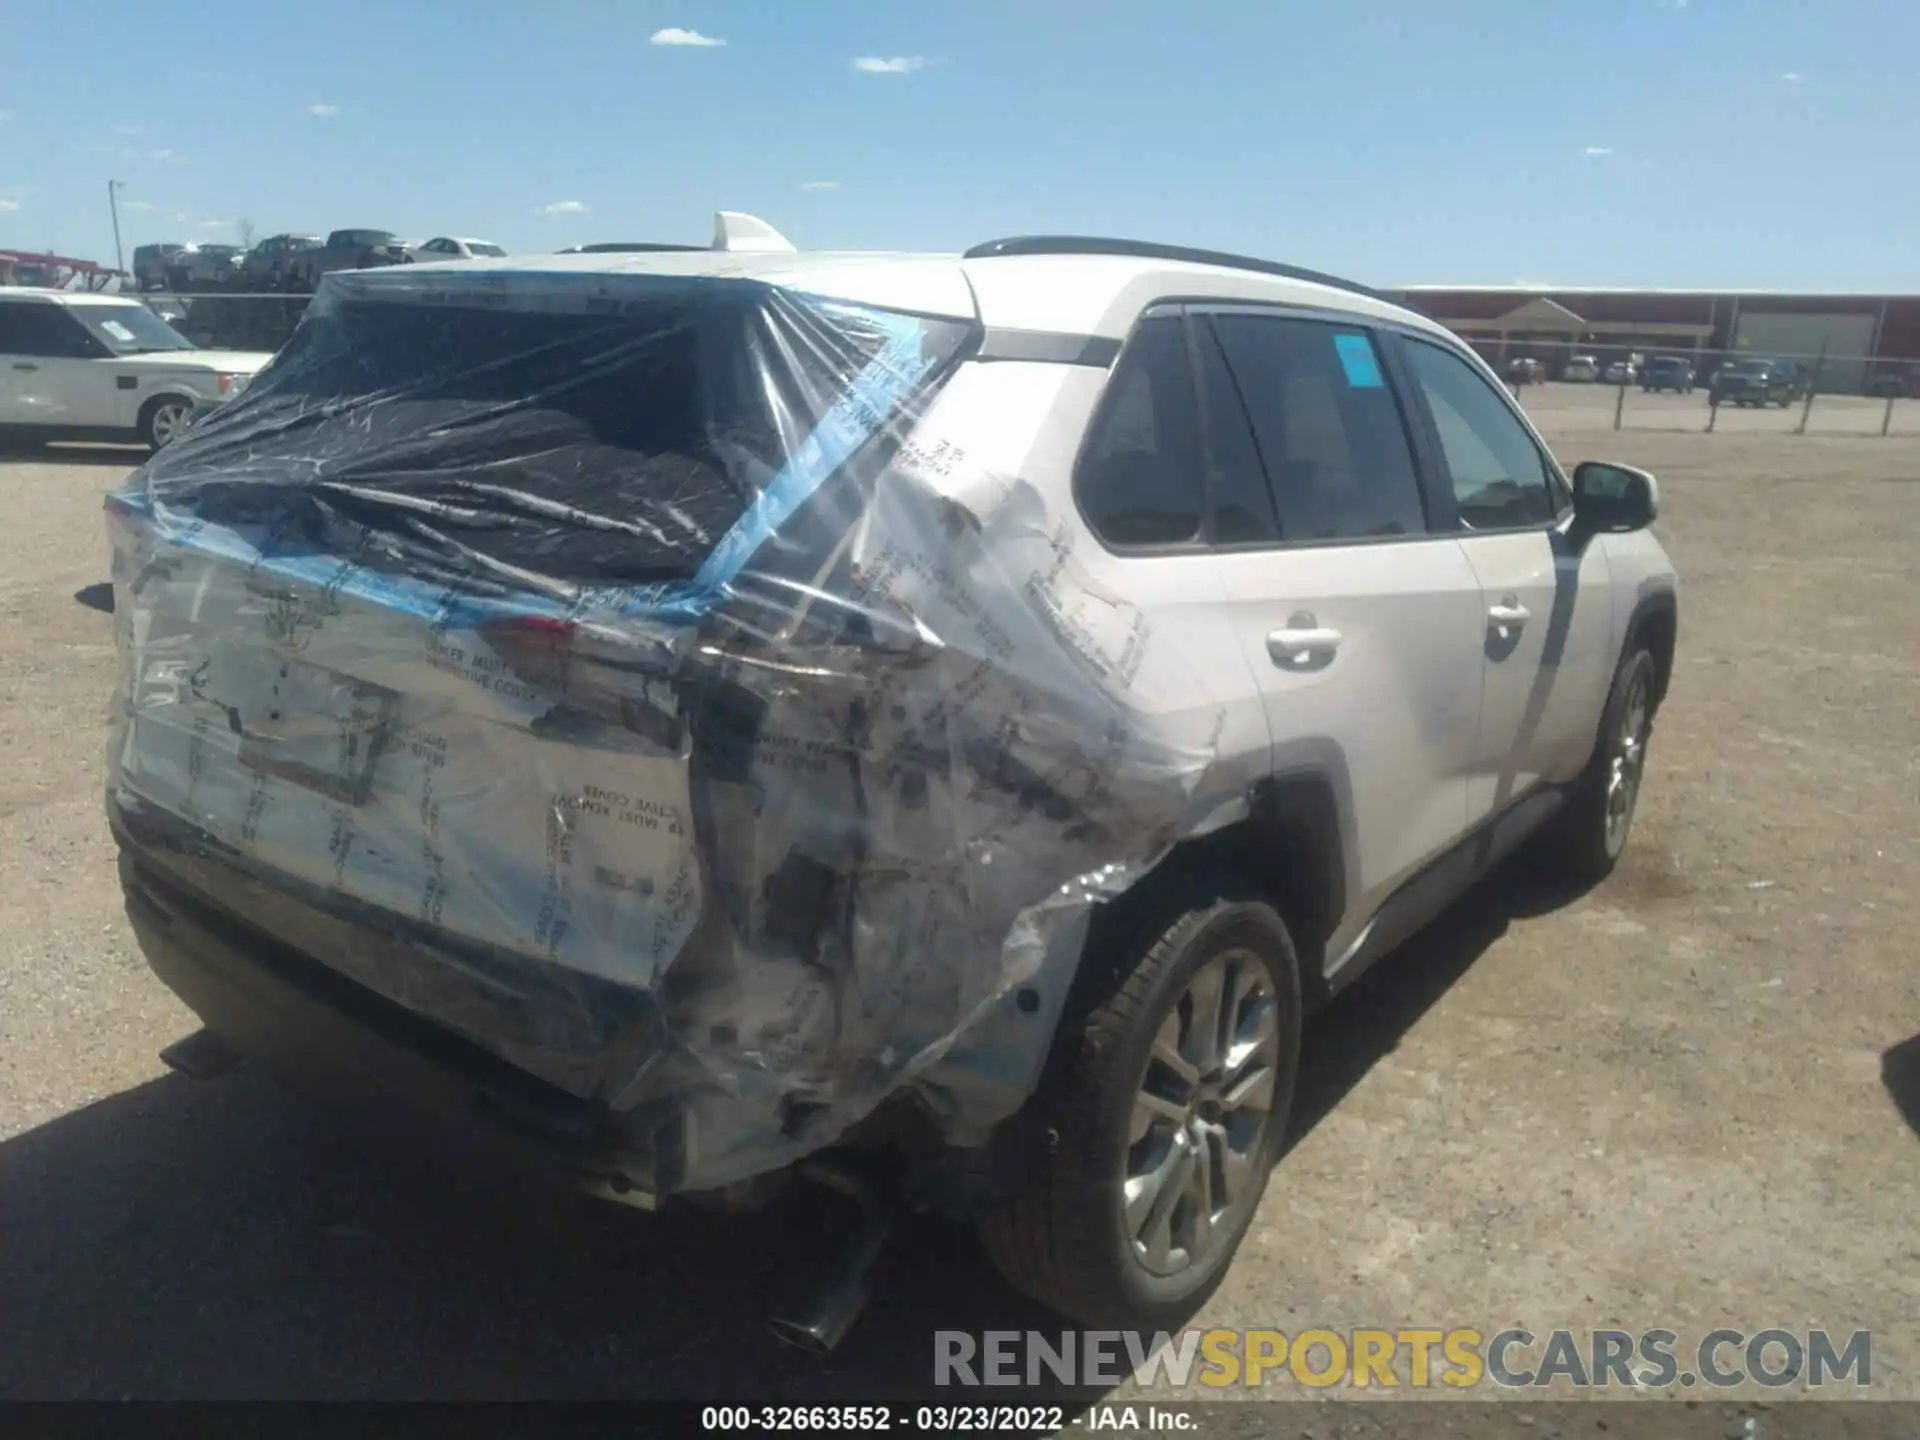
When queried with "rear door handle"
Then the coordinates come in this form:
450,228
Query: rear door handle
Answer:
1293,644
1507,613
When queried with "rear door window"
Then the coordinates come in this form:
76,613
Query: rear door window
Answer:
43,330
1329,431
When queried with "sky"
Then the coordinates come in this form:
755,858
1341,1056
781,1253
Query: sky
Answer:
1712,143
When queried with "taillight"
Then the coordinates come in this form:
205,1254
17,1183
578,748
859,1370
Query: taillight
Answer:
587,672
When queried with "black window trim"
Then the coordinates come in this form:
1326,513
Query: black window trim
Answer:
1558,485
1438,501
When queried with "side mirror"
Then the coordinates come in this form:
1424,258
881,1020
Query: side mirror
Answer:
1613,499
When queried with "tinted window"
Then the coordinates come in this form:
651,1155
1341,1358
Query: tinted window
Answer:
1242,504
1498,474
1139,478
1329,433
44,330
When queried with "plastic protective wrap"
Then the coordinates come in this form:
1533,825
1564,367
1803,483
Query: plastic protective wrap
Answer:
614,670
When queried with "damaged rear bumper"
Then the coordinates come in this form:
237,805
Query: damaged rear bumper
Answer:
363,1056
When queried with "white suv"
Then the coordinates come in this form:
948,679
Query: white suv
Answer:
78,366
700,718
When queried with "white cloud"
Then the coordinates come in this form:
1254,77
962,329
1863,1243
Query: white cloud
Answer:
9,207
1598,150
674,35
563,207
5,115
820,185
167,157
136,205
215,224
894,65
322,109
1793,77
128,129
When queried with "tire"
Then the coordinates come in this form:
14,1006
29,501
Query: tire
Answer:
1585,840
163,418
1067,1241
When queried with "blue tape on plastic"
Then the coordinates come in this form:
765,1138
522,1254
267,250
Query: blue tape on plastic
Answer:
872,398
1359,361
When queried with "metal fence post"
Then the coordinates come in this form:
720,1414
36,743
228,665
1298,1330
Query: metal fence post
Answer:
1813,387
1713,407
1886,420
1619,403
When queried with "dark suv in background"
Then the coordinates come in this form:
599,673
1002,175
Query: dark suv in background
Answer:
348,250
1758,383
1668,372
150,263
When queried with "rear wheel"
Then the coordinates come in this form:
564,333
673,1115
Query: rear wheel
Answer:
1166,1109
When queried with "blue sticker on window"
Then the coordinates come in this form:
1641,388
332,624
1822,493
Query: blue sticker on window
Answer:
1357,359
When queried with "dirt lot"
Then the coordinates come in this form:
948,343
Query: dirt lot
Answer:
1675,1101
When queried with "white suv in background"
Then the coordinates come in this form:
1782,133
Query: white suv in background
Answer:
452,247
727,713
76,366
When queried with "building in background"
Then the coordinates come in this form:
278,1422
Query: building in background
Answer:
1861,335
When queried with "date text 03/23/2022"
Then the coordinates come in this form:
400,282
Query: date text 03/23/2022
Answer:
937,1419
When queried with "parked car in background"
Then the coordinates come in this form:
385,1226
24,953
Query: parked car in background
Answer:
1757,383
450,247
1525,370
203,266
502,853
82,366
1581,368
1668,372
150,263
349,250
1622,372
1894,381
269,264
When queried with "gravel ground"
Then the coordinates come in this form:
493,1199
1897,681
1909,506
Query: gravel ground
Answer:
1674,1101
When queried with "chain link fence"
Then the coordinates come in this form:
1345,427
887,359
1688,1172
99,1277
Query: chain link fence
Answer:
1566,387
1574,387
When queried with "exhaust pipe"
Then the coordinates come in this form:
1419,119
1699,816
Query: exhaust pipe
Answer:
200,1056
822,1322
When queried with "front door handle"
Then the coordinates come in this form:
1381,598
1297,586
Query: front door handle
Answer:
1507,613
1293,644
22,365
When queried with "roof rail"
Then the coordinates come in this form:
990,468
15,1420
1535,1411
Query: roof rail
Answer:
628,247
1148,250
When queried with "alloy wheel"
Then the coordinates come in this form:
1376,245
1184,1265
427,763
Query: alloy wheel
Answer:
1200,1115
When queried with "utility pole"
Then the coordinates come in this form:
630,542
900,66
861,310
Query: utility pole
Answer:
113,204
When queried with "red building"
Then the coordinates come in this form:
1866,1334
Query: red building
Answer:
1859,336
